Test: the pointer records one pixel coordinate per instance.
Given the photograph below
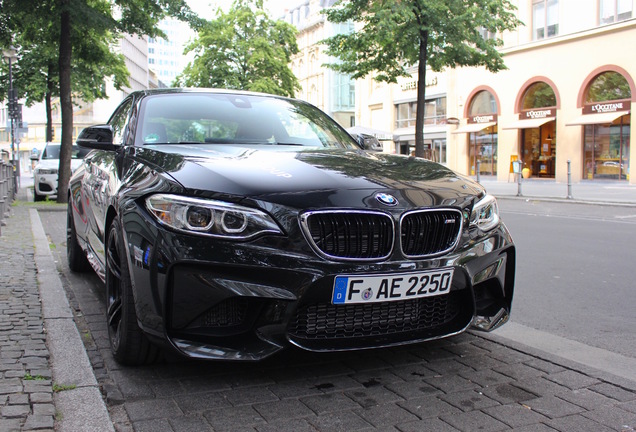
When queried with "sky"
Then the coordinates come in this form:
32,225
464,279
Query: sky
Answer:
207,8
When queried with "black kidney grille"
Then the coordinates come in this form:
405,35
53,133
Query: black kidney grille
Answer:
351,235
327,321
431,232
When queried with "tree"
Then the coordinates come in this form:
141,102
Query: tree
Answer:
134,17
396,35
243,49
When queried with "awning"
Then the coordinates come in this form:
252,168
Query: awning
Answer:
528,123
603,118
473,127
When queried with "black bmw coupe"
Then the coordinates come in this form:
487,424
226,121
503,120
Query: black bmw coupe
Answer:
229,225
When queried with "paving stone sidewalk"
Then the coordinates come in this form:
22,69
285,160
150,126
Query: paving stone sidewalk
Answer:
26,390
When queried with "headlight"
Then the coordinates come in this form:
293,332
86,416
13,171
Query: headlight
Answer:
485,215
210,217
46,171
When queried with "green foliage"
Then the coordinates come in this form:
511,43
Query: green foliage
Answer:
392,33
243,49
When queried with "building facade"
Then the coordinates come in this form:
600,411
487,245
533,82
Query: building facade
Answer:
165,56
331,91
567,95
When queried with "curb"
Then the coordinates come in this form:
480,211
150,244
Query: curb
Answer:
80,406
564,200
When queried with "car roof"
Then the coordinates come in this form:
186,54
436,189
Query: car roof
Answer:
175,90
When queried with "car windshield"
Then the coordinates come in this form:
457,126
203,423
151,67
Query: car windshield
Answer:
52,151
237,119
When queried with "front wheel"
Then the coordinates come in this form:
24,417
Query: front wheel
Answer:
128,343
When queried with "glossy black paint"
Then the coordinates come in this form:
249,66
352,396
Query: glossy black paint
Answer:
177,278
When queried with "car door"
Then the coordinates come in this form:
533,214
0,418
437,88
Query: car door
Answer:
100,180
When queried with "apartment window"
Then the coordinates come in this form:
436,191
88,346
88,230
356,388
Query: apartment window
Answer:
344,93
614,10
486,34
434,113
545,18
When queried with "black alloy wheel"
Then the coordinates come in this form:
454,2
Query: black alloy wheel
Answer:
75,256
128,343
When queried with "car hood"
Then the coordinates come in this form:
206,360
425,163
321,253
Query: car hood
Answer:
296,176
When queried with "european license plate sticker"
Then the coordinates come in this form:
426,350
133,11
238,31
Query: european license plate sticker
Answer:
348,289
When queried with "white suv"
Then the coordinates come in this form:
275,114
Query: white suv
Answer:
45,172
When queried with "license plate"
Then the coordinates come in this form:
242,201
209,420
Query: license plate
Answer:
349,289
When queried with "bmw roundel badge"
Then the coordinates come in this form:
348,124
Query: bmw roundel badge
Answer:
386,199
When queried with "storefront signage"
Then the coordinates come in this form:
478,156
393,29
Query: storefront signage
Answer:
538,114
606,107
486,118
412,85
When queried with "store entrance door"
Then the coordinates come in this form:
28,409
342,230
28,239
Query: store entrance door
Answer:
538,150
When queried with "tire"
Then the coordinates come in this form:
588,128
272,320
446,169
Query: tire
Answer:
75,256
128,343
37,197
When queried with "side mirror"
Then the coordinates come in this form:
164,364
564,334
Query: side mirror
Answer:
369,143
34,156
98,137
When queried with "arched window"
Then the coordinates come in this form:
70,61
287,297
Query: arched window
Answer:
539,95
607,141
483,103
482,150
608,86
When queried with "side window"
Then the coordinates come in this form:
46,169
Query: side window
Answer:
119,120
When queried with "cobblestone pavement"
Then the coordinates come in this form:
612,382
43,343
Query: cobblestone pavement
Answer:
26,390
466,383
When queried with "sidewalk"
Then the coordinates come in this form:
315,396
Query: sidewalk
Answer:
472,381
47,382
595,192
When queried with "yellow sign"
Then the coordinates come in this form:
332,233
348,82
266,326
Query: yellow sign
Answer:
515,168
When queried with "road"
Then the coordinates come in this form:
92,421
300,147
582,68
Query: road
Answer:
461,383
575,271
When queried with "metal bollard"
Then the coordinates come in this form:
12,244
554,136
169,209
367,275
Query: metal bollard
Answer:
569,180
478,169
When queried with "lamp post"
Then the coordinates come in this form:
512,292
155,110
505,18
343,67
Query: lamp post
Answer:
9,55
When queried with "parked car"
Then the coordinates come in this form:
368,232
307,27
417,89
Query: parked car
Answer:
45,172
230,225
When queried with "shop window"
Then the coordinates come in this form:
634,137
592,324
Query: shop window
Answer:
607,150
545,19
608,86
611,11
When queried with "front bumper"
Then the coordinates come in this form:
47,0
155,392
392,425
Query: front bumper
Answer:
45,184
246,301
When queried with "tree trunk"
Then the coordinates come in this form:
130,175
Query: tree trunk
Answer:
49,108
66,103
421,95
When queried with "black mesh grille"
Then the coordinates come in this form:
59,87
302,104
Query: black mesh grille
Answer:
429,232
228,313
327,321
351,235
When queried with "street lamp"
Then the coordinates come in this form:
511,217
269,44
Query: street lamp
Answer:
10,55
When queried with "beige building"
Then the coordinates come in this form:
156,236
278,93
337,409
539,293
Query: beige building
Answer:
330,91
567,95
